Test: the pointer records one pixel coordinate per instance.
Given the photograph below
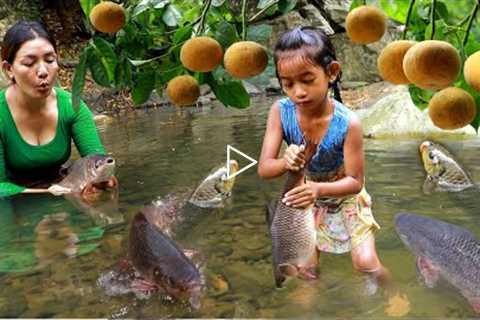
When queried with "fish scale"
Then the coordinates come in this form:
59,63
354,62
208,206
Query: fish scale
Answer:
454,250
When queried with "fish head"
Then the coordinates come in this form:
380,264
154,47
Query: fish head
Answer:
432,156
223,183
411,230
184,286
100,168
217,186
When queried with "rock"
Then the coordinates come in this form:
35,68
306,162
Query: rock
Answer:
335,11
396,116
316,18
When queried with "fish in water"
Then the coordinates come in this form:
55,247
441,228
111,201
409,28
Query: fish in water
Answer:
292,231
215,188
88,170
161,263
443,171
443,251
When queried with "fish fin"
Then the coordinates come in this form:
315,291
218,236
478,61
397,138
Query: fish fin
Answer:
430,185
288,269
429,273
270,212
280,273
475,303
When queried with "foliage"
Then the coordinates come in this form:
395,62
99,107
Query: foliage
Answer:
144,55
452,21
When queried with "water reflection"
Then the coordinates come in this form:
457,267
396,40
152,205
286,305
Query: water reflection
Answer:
168,153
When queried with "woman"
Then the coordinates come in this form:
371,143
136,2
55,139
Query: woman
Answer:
37,120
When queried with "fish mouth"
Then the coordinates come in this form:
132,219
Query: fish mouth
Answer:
424,145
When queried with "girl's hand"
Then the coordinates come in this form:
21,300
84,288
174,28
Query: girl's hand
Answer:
294,158
58,190
302,196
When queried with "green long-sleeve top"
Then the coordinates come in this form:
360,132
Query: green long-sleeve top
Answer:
20,160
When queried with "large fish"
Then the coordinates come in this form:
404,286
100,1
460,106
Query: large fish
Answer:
292,231
86,171
443,171
444,251
215,188
161,262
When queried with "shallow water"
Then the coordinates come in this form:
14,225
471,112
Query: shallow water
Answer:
52,251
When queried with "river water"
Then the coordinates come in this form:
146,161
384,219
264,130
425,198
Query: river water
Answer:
53,250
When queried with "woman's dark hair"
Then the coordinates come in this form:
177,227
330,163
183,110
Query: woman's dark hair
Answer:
318,48
20,33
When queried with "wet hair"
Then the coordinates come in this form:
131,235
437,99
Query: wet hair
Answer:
20,33
317,47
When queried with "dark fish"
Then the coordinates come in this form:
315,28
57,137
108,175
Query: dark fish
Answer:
443,171
88,170
444,251
160,261
215,188
292,231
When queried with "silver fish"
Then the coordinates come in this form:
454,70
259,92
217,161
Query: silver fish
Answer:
215,188
443,250
443,171
292,231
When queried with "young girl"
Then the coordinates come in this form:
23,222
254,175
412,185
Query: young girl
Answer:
306,68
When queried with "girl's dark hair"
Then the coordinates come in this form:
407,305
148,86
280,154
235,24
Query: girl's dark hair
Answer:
20,33
318,48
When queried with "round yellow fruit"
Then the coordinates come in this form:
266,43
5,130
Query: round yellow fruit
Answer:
471,71
452,108
201,54
366,24
183,90
432,64
245,59
390,61
107,17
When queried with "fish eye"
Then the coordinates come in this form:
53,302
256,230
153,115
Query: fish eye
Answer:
431,155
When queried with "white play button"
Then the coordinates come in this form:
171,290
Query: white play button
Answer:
252,161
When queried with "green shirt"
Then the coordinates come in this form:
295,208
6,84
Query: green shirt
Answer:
20,160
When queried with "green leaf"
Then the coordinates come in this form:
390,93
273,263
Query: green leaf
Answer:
356,3
144,85
226,34
97,69
264,3
138,63
229,92
107,55
286,5
396,9
123,74
420,97
218,3
87,6
172,16
159,4
259,33
182,34
79,78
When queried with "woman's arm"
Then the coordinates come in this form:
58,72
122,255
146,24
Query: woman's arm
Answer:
269,166
85,135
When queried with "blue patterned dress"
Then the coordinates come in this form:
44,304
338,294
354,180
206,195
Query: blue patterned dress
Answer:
346,221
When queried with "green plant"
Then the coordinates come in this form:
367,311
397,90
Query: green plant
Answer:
451,21
144,55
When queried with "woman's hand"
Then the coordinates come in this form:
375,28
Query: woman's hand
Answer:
102,186
294,157
302,196
58,190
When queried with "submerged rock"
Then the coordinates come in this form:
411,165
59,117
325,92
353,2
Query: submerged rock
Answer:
395,115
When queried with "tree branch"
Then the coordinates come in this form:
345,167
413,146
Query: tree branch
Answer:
407,21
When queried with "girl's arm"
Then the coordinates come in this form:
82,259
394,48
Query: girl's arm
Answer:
305,195
352,183
269,166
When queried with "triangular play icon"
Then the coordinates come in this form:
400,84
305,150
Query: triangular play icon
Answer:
252,161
